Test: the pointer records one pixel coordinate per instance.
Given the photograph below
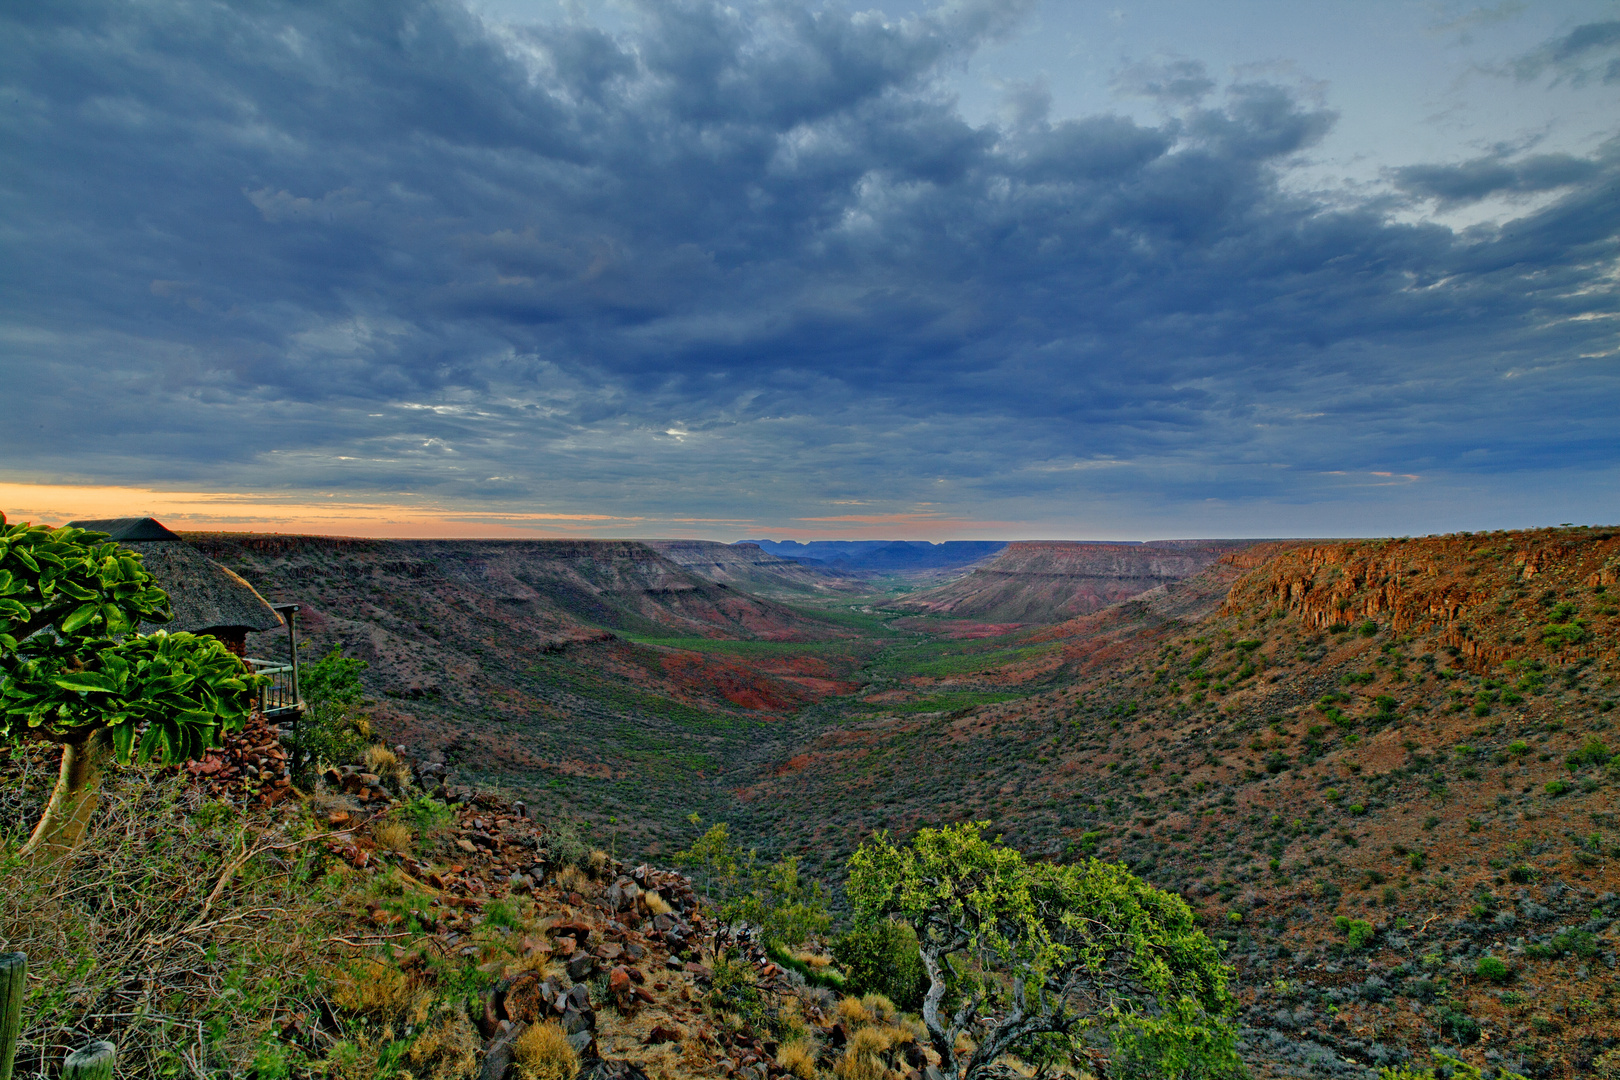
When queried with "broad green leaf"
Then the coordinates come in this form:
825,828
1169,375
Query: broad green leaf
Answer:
85,681
123,740
74,591
79,617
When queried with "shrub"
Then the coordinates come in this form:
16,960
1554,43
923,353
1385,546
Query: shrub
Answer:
1582,943
333,730
991,922
543,1053
1357,932
1593,752
1493,968
1557,635
1459,1027
1448,1067
883,959
1555,788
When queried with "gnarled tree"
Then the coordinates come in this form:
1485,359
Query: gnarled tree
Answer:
74,671
1036,959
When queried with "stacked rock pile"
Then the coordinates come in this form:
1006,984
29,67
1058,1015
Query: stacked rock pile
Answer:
250,767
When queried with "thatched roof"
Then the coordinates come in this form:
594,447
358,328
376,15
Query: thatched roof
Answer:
206,597
122,529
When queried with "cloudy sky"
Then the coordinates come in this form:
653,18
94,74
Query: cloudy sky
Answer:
1000,268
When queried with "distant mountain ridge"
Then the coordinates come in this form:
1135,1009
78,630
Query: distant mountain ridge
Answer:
863,557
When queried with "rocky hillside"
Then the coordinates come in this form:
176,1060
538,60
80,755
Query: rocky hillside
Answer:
1383,769
745,566
1047,581
429,930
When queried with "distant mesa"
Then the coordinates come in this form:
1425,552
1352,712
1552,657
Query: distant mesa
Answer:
1049,581
747,566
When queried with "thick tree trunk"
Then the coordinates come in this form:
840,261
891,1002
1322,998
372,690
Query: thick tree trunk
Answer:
61,827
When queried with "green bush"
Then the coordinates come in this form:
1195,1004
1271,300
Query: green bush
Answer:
1555,788
1593,752
1459,1027
1582,943
884,959
1493,968
332,731
1357,932
1556,635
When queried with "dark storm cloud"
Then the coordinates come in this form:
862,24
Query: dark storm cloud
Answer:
1495,174
740,254
1588,53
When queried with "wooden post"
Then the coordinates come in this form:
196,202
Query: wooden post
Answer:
13,988
289,615
92,1061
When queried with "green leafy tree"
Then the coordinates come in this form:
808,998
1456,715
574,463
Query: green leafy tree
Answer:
1032,956
788,909
74,672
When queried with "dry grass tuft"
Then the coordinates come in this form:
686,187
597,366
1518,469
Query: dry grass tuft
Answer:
656,904
448,1050
852,1011
863,1056
542,1053
572,879
393,836
597,863
880,1008
387,764
378,990
798,1057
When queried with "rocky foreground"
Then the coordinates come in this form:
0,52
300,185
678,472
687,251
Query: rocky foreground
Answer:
623,959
